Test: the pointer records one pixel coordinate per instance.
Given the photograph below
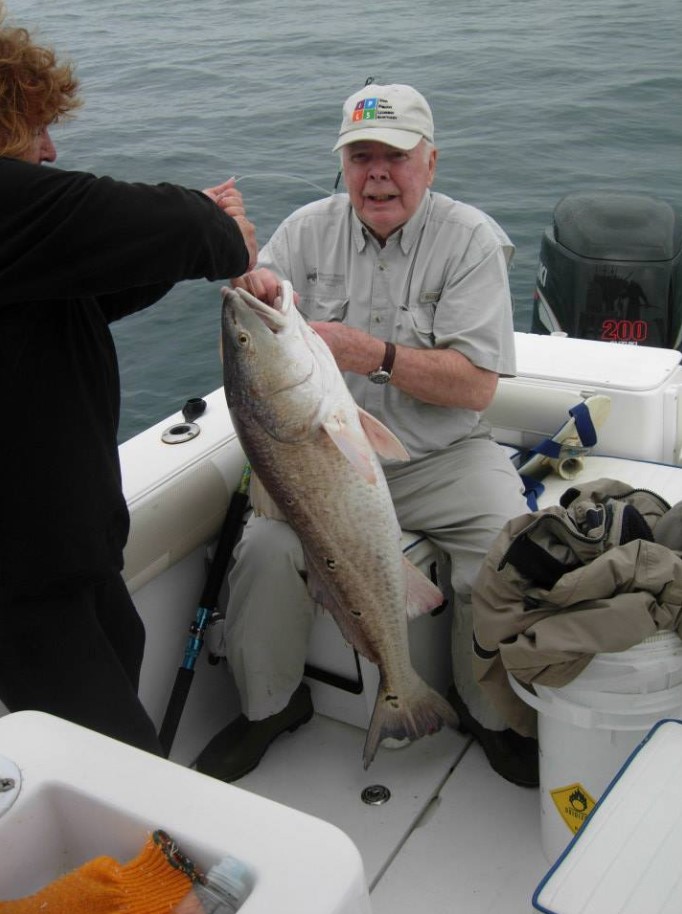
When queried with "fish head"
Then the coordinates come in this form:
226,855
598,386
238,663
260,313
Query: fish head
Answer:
269,366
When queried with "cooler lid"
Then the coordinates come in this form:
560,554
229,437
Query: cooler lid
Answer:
625,858
592,363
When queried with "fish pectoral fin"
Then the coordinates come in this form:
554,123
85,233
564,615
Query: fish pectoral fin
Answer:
381,438
422,594
353,446
262,502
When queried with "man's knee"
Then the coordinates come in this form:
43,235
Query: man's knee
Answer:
267,544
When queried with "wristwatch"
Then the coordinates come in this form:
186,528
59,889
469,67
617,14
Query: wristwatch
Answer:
382,374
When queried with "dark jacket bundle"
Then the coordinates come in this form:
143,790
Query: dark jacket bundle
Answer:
576,579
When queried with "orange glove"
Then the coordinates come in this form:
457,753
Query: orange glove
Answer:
153,883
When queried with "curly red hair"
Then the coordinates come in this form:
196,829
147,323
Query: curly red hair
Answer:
35,90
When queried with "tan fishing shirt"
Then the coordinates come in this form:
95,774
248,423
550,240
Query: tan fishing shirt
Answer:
440,281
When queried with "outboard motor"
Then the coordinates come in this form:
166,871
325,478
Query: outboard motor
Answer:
611,269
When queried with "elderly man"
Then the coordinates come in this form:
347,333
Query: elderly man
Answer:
410,291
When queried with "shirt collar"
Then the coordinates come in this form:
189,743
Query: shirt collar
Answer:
406,236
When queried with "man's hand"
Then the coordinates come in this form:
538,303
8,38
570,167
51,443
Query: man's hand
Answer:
262,284
231,202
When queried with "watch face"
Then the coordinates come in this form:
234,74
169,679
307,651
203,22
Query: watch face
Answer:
380,376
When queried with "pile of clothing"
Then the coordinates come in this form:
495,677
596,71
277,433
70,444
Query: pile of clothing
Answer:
599,572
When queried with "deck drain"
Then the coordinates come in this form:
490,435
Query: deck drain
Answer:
375,795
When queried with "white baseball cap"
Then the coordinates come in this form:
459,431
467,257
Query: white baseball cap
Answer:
396,115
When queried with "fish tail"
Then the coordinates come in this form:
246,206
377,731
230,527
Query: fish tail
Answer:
416,712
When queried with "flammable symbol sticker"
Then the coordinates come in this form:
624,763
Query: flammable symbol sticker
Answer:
574,804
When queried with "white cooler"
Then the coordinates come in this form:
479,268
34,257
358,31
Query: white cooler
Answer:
556,373
625,858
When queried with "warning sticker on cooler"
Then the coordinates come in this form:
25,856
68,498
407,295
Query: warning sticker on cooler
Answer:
574,804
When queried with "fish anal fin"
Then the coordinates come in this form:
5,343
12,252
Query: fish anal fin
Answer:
381,438
422,594
262,502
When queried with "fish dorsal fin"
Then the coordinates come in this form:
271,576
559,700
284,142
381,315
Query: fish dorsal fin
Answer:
262,502
353,445
381,438
422,593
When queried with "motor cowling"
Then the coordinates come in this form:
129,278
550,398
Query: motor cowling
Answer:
611,269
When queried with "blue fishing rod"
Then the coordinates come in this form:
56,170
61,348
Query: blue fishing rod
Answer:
207,610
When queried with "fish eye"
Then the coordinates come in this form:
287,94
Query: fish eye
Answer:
243,338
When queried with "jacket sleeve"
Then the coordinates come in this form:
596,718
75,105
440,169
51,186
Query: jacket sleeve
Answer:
70,234
119,304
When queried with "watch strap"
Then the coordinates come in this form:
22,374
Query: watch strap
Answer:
389,358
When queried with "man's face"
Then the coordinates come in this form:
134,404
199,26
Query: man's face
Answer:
386,185
41,148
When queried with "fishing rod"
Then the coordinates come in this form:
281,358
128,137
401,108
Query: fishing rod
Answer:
368,82
206,612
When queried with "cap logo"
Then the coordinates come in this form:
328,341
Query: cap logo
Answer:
371,109
366,109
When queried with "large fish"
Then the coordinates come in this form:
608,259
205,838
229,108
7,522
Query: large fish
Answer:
313,453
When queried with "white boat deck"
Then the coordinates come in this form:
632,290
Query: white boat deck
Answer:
453,837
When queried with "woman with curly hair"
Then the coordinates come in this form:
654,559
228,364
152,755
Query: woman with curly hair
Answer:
77,252
35,91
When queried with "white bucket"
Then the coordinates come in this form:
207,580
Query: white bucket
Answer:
588,728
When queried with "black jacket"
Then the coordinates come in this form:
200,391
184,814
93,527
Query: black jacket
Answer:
77,252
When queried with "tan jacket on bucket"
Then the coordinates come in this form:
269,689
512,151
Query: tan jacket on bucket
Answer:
563,584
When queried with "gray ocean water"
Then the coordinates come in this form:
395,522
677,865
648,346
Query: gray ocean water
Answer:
531,98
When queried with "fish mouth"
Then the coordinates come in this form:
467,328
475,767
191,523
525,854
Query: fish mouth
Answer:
275,318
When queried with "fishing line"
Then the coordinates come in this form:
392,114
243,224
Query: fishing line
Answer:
327,193
300,178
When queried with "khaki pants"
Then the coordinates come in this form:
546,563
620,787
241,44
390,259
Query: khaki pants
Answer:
460,498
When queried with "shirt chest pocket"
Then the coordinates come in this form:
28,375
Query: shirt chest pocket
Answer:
421,313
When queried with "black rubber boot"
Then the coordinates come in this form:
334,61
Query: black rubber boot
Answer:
512,756
239,747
